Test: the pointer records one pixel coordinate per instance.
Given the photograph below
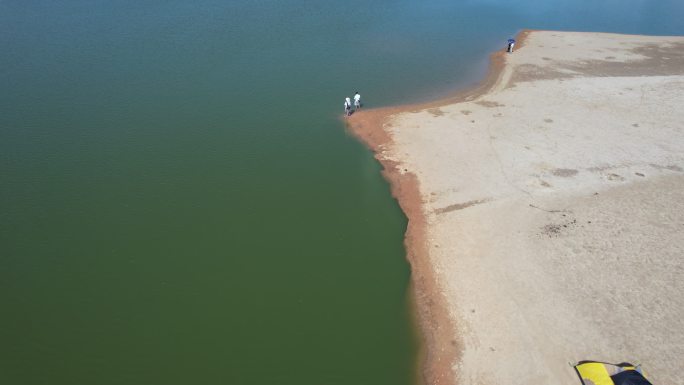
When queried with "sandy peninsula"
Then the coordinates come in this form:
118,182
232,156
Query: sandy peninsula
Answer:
546,210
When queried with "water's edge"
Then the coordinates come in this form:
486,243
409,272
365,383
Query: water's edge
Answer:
439,348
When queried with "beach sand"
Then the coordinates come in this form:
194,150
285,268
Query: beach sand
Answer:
546,210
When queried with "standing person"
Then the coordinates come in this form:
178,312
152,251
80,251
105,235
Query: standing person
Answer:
357,100
347,106
511,43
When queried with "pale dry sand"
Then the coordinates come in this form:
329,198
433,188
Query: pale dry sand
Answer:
547,212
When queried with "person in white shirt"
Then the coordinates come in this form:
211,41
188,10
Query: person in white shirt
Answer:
510,46
357,100
347,106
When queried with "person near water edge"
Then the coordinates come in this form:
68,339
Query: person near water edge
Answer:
347,106
357,100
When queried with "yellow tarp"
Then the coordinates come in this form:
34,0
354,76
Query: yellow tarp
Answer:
599,373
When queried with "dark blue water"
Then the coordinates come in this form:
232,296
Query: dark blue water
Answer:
179,203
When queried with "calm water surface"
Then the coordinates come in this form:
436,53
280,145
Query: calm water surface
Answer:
179,203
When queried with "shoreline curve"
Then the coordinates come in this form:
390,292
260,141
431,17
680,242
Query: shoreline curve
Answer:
435,326
581,125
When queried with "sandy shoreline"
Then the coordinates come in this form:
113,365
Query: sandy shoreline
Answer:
546,210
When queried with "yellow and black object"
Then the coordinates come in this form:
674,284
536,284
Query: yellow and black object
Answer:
603,373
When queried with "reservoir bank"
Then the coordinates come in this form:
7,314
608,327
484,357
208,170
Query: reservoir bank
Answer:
180,203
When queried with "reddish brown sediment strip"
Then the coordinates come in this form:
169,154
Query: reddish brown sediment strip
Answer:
440,348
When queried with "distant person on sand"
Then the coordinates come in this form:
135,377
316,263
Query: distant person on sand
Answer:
357,100
347,106
511,43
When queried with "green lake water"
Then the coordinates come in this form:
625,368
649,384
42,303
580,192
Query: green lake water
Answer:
180,203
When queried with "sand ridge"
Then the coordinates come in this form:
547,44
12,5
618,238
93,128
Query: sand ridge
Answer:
546,210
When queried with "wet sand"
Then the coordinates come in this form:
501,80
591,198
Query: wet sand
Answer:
546,210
